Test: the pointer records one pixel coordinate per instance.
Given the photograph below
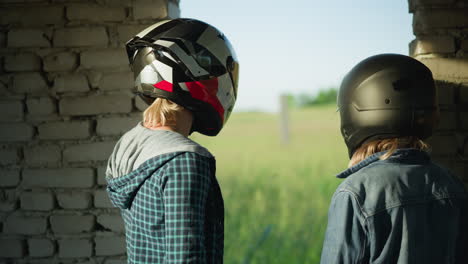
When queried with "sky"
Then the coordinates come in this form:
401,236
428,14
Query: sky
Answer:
302,46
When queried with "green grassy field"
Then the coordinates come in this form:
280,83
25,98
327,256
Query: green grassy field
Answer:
276,196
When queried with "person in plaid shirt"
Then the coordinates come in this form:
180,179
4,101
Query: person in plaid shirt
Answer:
163,182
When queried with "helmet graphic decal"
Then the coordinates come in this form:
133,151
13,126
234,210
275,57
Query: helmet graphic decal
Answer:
164,85
226,98
190,63
206,91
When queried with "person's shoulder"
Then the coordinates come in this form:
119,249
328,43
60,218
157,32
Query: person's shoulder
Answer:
192,158
190,146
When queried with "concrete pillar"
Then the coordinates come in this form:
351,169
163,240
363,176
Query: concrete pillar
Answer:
65,99
441,43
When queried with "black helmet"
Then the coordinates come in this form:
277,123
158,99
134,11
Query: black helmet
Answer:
190,63
387,96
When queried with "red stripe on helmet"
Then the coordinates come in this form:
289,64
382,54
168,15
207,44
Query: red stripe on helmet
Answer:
205,90
163,85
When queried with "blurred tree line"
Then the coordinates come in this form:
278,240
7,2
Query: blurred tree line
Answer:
302,100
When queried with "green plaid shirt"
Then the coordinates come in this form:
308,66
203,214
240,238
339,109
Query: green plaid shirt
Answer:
173,210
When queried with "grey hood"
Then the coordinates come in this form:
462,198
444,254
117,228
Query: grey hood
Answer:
140,144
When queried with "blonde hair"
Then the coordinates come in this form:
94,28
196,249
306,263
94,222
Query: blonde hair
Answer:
389,144
162,112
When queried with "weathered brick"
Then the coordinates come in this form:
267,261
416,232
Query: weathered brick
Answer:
22,62
59,178
432,3
454,70
447,120
41,106
115,261
464,120
95,12
173,10
459,169
117,81
43,155
20,1
464,45
432,44
9,178
101,199
427,19
149,9
72,224
32,83
65,130
116,125
25,225
93,105
110,246
36,15
8,156
112,222
88,152
71,83
107,58
10,132
445,93
126,32
22,38
12,248
74,200
37,200
81,37
75,248
464,93
443,145
101,176
40,247
140,104
8,200
61,61
11,110
115,3
3,39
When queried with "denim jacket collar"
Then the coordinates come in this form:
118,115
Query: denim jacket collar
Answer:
398,155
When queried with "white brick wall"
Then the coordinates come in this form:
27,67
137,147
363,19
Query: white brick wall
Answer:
81,37
41,247
71,83
66,87
75,248
25,225
441,45
34,38
22,62
58,178
12,248
96,104
60,61
72,224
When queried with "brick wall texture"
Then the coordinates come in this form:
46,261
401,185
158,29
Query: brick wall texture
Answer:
65,88
441,30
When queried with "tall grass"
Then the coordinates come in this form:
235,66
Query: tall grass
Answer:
276,196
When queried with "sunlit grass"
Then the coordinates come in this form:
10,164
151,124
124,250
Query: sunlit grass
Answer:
276,196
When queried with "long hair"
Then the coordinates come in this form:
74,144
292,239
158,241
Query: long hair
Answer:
388,144
162,112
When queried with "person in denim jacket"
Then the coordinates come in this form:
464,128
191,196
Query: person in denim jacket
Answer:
395,205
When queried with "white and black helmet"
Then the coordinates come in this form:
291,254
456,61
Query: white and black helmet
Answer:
190,63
